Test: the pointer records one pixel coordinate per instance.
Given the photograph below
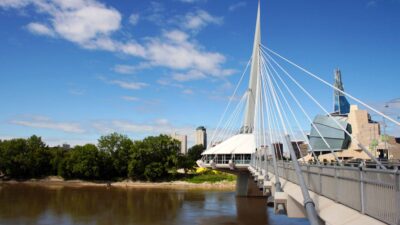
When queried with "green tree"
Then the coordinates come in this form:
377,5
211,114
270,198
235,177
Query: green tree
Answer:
184,162
154,171
24,158
56,162
153,158
119,147
194,153
87,162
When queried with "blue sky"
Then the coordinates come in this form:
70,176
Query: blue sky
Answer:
72,70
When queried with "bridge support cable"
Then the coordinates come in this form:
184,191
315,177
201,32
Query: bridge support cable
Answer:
278,108
308,202
229,102
264,141
329,115
292,113
303,110
279,138
279,96
335,88
227,129
278,186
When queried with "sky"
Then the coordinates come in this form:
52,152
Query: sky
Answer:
73,70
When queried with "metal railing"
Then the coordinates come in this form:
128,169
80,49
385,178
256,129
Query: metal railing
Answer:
373,192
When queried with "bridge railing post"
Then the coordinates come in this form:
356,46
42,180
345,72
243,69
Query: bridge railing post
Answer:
336,183
397,180
362,197
320,179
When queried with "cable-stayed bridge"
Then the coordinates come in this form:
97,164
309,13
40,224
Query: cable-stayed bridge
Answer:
258,139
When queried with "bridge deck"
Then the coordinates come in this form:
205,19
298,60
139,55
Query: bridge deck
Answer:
371,192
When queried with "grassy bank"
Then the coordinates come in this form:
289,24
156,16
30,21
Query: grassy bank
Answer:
210,176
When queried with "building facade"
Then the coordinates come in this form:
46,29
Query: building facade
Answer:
183,140
201,136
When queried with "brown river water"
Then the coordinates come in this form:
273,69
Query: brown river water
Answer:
27,204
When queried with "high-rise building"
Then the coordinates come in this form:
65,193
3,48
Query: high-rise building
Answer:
201,136
341,105
182,139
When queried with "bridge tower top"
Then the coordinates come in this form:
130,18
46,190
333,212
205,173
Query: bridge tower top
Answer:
248,124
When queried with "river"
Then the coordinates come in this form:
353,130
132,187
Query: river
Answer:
33,204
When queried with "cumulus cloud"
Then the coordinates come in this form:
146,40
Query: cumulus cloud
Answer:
134,18
176,36
199,19
236,6
14,3
47,123
129,85
91,25
187,92
124,69
191,1
130,69
79,21
40,29
130,98
189,76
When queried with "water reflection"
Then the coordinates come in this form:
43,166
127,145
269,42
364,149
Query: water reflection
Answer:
27,204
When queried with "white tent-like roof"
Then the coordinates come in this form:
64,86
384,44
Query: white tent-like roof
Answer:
238,144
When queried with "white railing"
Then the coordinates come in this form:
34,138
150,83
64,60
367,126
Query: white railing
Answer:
373,192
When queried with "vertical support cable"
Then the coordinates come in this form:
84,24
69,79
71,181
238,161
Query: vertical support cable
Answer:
278,186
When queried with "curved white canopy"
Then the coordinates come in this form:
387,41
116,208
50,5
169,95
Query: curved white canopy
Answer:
238,144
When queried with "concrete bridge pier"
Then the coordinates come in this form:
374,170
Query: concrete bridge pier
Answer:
246,186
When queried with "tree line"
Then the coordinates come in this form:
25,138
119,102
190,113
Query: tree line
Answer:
114,157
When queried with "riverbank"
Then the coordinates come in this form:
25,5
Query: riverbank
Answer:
58,182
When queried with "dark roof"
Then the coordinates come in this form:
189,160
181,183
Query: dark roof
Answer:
201,128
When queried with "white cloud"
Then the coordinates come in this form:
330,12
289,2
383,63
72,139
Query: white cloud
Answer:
134,18
156,13
188,92
191,1
130,69
183,55
77,92
162,121
90,24
124,69
82,25
47,123
132,48
237,5
130,98
14,3
189,76
79,21
129,85
176,36
40,29
199,19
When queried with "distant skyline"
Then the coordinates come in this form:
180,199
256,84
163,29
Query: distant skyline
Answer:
72,70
